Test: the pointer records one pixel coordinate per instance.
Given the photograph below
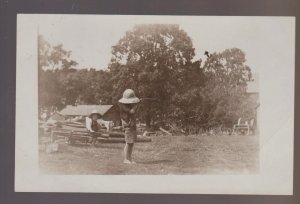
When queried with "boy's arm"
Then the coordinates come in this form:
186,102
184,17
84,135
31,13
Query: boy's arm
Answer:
135,108
132,110
88,124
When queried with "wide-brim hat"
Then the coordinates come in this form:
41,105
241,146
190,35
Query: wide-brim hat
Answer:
129,100
95,112
129,97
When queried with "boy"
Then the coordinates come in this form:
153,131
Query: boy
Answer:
129,104
92,125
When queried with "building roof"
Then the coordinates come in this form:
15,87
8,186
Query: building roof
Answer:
253,86
85,110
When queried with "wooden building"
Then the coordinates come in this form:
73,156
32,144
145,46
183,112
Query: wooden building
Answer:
108,112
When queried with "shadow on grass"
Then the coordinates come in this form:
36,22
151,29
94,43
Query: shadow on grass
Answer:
80,145
99,145
157,161
189,150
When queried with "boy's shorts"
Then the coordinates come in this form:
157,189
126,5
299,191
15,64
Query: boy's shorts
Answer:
130,135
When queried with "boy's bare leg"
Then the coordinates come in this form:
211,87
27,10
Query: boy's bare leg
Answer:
130,152
94,141
126,153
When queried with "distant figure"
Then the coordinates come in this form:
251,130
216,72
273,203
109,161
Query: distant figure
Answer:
129,104
92,125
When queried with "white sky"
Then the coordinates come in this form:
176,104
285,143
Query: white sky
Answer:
90,37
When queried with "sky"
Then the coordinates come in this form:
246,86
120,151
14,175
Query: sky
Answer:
90,37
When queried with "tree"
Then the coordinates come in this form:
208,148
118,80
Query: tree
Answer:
53,57
50,89
95,87
156,62
224,95
43,52
228,67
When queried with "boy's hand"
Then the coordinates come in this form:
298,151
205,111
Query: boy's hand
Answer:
134,109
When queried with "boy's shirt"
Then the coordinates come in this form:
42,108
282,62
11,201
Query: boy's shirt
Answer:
91,125
128,118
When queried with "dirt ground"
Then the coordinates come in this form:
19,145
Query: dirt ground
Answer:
213,154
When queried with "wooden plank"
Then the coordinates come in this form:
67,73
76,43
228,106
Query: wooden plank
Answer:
75,134
165,131
52,136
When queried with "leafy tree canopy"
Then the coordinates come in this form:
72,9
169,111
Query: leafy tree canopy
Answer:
156,61
53,57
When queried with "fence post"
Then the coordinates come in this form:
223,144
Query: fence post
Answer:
52,136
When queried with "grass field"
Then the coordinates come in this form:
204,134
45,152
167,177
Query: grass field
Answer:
213,154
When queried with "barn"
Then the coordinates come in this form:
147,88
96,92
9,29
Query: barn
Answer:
108,112
253,93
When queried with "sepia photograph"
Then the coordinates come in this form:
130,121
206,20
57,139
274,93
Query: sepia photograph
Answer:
156,96
149,96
